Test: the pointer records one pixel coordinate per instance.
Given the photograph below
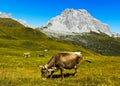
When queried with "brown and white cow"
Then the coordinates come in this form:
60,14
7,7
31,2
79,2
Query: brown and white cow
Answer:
26,54
67,60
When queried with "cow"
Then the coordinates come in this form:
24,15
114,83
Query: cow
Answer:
45,50
26,54
63,60
41,55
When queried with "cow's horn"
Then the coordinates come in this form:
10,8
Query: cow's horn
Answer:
40,66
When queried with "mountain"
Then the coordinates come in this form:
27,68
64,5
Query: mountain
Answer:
16,39
81,29
12,29
14,35
99,43
76,21
116,35
23,22
4,15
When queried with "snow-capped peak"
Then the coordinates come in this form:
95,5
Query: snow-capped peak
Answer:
76,21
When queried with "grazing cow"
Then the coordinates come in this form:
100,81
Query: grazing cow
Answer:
67,60
26,54
46,50
41,55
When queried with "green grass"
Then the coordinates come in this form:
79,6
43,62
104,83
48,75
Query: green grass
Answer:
11,29
20,71
15,70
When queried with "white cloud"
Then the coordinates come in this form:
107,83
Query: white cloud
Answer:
23,22
4,15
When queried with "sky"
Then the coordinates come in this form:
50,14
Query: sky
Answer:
39,12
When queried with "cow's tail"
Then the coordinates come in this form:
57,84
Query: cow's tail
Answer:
85,60
88,61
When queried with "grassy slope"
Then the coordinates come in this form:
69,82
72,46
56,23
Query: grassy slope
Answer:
15,36
102,44
11,29
16,70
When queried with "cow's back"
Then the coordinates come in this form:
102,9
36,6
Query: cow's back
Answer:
68,59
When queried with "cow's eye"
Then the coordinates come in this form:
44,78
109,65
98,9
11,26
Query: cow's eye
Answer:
44,70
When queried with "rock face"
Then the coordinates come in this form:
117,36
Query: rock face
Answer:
75,21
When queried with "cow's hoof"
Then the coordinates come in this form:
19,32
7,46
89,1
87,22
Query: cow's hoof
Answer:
74,74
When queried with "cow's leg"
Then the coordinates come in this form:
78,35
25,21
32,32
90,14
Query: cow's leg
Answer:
75,72
76,69
61,70
52,74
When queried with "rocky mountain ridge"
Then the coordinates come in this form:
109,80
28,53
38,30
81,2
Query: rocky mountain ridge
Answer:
72,21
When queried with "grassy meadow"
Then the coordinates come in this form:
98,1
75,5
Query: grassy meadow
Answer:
15,70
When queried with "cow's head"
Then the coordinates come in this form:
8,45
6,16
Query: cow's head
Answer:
45,71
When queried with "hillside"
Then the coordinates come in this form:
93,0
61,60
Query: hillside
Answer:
15,70
100,43
16,37
11,29
81,28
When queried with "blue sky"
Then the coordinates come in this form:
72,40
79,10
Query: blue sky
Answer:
39,12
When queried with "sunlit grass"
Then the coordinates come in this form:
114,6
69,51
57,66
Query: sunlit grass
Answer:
15,70
20,71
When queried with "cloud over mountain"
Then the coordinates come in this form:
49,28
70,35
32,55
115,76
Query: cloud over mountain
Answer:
9,15
4,15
